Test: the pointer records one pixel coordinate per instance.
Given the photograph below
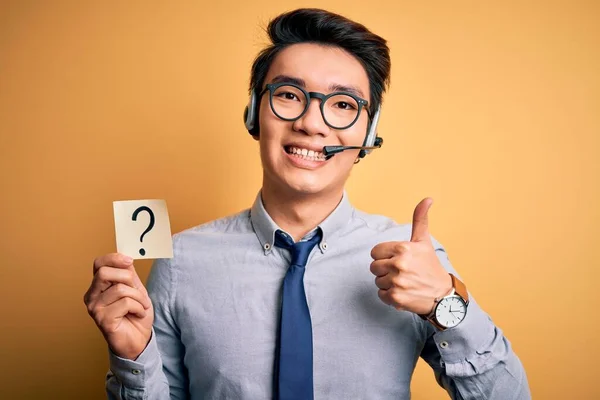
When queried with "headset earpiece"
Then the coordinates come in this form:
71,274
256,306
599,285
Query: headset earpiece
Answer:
372,139
251,114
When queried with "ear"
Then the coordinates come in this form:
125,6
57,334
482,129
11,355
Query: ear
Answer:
255,137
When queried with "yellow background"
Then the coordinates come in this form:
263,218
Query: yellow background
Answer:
493,112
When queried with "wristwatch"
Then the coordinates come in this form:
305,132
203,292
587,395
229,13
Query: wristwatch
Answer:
450,310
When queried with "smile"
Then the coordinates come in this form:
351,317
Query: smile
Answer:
305,154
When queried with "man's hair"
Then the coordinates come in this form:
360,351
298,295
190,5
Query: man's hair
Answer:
311,25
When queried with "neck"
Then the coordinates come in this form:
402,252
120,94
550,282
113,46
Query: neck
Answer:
298,214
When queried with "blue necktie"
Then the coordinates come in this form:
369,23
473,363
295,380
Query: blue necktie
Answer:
294,365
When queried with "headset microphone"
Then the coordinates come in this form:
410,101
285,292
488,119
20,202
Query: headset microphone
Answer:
330,151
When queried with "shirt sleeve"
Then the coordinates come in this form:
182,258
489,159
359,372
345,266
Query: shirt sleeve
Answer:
473,360
158,373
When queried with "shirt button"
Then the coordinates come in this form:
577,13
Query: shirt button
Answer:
444,344
324,246
136,371
267,246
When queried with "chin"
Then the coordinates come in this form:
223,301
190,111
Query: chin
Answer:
308,189
306,186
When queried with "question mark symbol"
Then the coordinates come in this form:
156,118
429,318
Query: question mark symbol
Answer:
134,218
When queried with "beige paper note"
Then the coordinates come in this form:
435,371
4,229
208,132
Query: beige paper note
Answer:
142,229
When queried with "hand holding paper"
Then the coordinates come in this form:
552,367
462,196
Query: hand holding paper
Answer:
117,299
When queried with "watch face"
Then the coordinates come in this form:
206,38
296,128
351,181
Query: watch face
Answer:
450,311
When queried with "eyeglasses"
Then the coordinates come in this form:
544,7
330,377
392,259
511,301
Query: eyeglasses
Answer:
289,102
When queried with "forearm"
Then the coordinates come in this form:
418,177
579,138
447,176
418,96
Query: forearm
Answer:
142,379
504,381
476,361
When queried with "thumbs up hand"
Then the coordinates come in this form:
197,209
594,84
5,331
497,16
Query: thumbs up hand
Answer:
409,275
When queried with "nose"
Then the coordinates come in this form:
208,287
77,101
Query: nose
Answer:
312,122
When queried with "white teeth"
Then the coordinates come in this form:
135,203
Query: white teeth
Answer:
307,154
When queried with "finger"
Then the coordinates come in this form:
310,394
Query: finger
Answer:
137,282
420,224
393,298
384,282
117,310
118,291
108,276
384,296
116,260
389,249
380,267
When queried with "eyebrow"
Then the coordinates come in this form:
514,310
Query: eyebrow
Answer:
289,79
349,89
332,88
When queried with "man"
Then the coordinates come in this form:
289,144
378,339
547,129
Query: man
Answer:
278,301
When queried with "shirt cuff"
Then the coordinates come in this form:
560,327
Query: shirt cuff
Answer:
462,341
134,374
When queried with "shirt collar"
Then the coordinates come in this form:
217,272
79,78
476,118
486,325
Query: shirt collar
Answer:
265,227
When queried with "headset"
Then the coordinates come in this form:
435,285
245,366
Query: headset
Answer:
371,142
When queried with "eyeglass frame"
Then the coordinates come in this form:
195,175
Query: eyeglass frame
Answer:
271,87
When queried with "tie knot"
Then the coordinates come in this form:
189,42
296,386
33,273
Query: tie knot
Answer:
299,251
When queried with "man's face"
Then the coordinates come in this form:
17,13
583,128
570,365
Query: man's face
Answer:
319,69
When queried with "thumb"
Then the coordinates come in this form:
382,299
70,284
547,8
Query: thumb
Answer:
420,225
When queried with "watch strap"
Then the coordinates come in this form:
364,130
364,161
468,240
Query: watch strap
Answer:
460,288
